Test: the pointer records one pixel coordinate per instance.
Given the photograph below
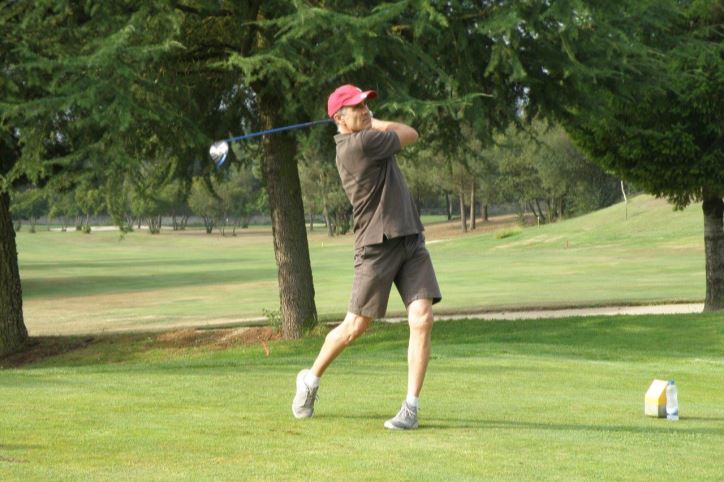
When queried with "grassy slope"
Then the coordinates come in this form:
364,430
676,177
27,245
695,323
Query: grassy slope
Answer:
656,255
530,400
80,283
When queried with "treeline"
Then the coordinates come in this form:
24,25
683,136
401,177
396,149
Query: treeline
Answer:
225,201
539,171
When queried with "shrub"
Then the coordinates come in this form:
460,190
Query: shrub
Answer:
507,233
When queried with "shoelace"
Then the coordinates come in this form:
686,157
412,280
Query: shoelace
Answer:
405,412
311,395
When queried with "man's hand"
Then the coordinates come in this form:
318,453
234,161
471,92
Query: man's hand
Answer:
405,133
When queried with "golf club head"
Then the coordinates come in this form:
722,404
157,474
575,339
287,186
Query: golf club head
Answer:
218,152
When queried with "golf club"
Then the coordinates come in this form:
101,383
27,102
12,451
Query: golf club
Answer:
219,149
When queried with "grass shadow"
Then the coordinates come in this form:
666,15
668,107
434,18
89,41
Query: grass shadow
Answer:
482,424
104,349
595,337
133,282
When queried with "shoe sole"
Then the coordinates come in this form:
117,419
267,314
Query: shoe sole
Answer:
393,427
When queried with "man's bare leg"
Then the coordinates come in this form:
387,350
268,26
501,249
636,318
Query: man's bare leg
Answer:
419,315
338,339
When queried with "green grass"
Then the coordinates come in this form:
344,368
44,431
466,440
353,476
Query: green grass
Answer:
525,400
433,218
75,283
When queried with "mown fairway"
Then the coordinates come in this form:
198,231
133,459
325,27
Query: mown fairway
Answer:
76,283
529,400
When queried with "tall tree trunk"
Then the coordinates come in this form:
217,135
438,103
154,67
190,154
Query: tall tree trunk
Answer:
328,221
449,206
13,333
540,211
485,212
463,220
472,206
714,250
281,176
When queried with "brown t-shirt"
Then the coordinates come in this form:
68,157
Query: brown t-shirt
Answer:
381,203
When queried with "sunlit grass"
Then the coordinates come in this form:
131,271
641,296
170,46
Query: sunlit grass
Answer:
528,400
73,282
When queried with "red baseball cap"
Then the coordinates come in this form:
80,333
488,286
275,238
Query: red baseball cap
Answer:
347,95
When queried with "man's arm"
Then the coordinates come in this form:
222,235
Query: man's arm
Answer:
405,133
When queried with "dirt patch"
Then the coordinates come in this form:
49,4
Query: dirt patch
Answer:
453,229
11,460
217,338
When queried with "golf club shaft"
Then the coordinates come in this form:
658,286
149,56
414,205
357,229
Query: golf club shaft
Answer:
277,129
219,149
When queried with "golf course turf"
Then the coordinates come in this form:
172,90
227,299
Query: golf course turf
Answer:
524,400
121,392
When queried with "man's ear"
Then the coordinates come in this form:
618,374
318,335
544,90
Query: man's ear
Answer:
339,120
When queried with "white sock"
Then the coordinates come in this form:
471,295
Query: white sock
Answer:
310,380
412,401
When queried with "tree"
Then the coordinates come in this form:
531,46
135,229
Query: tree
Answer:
61,207
177,193
544,172
13,333
574,184
65,121
29,203
204,202
669,140
239,197
89,200
321,185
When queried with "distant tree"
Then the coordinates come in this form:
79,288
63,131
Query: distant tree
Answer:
321,185
419,169
61,207
90,201
177,194
29,204
544,172
239,194
574,183
151,192
206,204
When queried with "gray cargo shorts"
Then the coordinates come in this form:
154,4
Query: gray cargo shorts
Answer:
404,261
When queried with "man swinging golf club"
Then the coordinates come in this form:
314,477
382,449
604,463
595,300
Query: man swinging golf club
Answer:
389,247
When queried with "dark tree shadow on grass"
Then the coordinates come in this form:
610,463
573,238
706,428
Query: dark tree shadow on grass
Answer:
513,425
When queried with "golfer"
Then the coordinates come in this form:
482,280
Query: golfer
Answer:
389,247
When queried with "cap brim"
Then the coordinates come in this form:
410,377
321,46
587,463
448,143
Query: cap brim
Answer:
359,98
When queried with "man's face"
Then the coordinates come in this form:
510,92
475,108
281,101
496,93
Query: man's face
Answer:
354,118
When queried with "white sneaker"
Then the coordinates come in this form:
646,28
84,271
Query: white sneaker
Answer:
303,403
406,418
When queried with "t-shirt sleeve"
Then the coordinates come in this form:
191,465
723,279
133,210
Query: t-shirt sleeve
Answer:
380,145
